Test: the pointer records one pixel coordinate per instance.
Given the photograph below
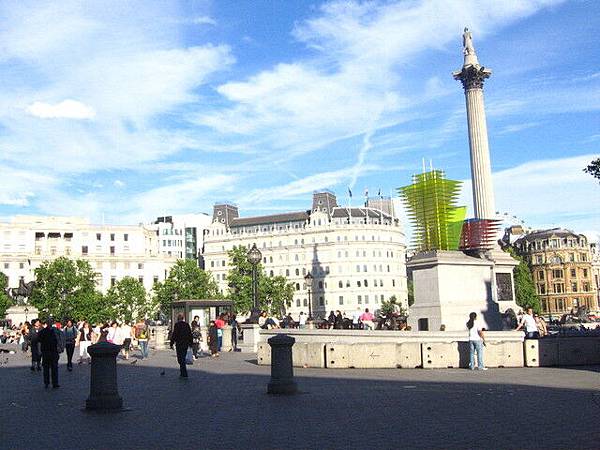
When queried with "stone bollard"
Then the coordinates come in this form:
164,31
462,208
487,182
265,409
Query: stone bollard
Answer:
282,371
104,394
160,337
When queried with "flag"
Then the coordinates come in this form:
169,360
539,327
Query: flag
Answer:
366,192
349,193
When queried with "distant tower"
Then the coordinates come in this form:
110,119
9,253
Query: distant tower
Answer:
472,75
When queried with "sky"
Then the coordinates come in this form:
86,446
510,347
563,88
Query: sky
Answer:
121,111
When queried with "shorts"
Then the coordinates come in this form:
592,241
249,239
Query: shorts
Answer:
83,346
127,344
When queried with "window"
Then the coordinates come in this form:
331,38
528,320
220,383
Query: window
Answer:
586,287
380,283
559,288
583,257
223,263
113,280
21,265
573,287
341,299
573,273
287,272
585,273
297,272
98,236
366,283
359,299
155,279
298,302
140,266
364,268
321,301
357,268
112,236
112,250
6,265
366,299
141,280
305,302
557,273
540,275
542,289
341,284
297,286
84,249
126,237
393,283
358,283
572,257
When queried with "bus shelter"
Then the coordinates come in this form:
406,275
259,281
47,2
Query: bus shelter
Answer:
205,309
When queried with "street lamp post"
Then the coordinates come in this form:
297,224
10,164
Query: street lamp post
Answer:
308,278
254,257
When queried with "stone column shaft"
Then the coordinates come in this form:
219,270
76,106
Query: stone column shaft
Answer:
481,171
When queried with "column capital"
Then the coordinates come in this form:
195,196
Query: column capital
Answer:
472,77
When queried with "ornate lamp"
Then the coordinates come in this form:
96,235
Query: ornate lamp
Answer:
308,278
254,257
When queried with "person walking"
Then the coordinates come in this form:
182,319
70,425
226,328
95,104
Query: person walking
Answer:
126,335
196,337
235,330
182,339
48,340
476,342
36,354
84,340
70,339
141,334
213,340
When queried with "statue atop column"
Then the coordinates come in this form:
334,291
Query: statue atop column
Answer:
468,48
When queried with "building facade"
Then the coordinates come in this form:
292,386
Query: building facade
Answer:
181,236
113,251
355,255
561,266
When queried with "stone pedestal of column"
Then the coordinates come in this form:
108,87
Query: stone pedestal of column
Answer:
282,370
104,393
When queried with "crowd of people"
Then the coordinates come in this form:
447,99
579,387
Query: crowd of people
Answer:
338,320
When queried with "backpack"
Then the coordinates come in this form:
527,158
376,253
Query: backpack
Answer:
60,340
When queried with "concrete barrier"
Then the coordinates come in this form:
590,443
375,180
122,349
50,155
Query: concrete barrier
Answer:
408,355
304,354
372,356
337,356
503,354
579,351
540,353
440,355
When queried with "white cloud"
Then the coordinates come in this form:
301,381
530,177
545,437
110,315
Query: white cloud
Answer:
203,20
547,193
68,109
119,184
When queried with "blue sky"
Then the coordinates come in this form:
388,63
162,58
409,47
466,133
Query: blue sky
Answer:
129,110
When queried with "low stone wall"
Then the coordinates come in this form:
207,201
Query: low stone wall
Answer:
431,350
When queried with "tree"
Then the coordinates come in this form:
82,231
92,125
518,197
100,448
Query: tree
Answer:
67,288
5,300
593,168
526,296
410,286
185,281
274,293
392,306
128,300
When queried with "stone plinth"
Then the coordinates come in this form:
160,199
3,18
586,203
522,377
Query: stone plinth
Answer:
159,338
17,314
104,393
282,370
450,284
226,341
250,338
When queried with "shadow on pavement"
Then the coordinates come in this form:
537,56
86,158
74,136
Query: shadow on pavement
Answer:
224,405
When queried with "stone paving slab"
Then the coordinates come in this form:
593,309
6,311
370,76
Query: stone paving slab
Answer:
224,405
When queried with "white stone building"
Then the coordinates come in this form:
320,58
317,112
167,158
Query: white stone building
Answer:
181,236
356,255
114,251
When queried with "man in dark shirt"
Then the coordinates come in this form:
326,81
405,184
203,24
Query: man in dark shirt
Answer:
183,339
49,346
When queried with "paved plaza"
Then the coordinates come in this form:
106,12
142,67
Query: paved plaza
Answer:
224,405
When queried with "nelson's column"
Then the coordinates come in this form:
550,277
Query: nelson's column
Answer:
472,75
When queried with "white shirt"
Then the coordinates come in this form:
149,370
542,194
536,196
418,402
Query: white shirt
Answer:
356,317
302,319
125,332
530,325
474,331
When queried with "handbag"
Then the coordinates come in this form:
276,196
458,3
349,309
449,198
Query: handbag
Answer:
189,356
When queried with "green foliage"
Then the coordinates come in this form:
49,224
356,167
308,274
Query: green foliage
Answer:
186,281
431,203
5,300
274,293
594,168
525,292
128,300
410,286
67,288
392,305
